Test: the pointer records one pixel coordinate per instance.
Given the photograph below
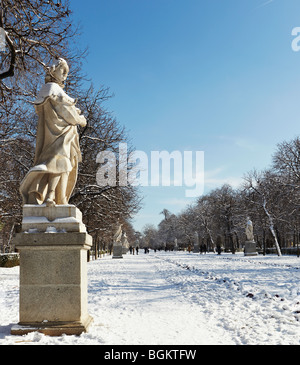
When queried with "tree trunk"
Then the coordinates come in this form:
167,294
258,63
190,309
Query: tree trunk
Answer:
272,229
264,242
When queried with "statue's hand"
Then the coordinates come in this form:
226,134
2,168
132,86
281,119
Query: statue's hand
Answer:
82,121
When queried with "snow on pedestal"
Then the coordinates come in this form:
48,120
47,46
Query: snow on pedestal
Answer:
64,218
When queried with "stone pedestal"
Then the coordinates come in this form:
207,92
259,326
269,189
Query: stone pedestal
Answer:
250,248
53,272
196,249
117,251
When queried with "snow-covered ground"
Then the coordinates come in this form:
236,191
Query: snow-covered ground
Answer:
178,299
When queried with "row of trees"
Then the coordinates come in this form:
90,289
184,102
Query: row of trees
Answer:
270,198
37,32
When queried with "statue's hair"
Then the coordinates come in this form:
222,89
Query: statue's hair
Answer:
49,72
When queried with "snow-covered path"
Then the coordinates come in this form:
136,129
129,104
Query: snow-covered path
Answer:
179,299
145,307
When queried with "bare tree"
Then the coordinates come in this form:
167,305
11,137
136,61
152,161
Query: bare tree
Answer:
204,213
35,32
149,237
286,160
102,205
225,208
263,194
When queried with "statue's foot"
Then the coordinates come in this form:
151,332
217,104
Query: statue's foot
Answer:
50,203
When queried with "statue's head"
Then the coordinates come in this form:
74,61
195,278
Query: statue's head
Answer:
58,72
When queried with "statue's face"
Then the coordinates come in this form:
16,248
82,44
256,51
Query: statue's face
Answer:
60,73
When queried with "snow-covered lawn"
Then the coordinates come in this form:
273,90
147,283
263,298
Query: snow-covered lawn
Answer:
178,299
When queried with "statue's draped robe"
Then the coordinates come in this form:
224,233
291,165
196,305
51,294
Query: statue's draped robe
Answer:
57,143
118,234
249,231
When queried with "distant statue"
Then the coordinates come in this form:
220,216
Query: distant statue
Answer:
118,233
175,244
53,177
249,230
124,240
196,238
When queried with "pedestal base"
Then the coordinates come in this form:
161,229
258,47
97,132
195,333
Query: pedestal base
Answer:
250,249
53,277
117,252
196,249
53,328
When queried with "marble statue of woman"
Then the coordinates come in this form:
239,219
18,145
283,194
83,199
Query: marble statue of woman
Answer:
196,238
249,230
53,177
118,232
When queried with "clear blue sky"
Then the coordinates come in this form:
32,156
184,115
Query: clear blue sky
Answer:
217,76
